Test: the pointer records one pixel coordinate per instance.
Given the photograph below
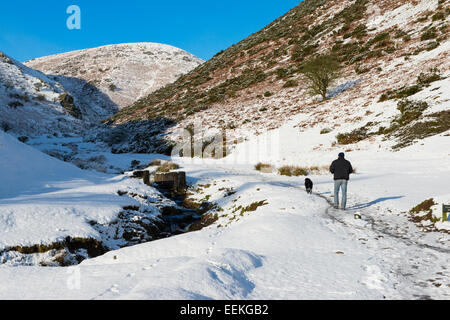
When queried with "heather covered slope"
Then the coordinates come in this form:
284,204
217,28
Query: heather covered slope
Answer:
392,49
124,72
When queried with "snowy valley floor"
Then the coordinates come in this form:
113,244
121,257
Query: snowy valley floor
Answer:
293,246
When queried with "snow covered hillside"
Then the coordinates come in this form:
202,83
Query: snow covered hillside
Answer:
124,72
33,103
74,91
390,52
45,201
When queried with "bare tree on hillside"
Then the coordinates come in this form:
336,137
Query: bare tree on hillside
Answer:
320,72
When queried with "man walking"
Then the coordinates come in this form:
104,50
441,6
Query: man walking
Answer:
341,168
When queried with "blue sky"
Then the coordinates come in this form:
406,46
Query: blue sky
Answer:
30,29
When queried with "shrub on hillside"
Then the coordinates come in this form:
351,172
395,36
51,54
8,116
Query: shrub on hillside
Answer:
156,162
360,31
299,171
425,79
401,93
431,125
301,51
355,136
429,34
432,45
325,131
23,139
264,167
440,15
379,38
19,96
68,103
5,58
15,104
410,111
426,210
425,206
5,126
290,84
41,98
281,73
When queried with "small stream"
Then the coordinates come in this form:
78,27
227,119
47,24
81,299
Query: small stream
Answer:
179,219
133,226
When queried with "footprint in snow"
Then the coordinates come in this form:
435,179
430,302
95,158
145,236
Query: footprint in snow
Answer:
114,288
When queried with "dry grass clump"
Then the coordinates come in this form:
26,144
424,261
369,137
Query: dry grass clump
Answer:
296,171
264,167
254,206
424,207
353,137
167,167
155,163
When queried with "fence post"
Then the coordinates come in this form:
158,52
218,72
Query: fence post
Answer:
445,211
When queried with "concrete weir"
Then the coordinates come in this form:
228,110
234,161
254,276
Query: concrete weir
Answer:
171,180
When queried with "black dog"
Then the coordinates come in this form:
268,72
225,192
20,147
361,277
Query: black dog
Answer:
309,185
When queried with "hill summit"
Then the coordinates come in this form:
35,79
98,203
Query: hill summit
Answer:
124,72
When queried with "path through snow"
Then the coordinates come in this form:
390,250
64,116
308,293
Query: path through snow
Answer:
419,263
295,247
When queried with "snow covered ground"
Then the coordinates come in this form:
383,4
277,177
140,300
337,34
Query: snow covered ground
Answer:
44,200
272,240
288,245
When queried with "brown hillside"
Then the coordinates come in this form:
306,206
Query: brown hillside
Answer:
256,84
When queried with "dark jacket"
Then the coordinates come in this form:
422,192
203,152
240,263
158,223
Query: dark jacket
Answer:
341,169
